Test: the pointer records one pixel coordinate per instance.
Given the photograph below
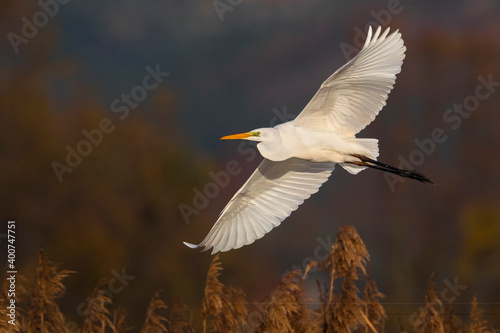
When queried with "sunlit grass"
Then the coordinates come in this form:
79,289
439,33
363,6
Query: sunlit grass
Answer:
225,308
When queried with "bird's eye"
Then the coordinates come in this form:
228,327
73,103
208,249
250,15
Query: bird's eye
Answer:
256,133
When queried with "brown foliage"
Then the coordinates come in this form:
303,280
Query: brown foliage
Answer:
346,311
224,309
429,317
373,310
155,322
287,311
119,322
179,318
96,314
43,313
451,322
349,252
478,324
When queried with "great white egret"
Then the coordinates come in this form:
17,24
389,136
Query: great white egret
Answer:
300,155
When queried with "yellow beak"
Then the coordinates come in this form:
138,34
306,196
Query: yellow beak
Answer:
237,136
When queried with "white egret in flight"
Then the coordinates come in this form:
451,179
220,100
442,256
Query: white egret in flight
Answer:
300,155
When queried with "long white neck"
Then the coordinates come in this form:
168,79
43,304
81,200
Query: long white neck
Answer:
272,145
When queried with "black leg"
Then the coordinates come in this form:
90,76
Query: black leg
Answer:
412,174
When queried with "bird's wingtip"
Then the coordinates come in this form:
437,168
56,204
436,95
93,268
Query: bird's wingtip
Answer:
193,246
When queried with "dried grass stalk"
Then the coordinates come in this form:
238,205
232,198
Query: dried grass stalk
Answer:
43,314
344,312
451,322
97,316
429,319
477,323
373,310
120,321
180,318
287,311
224,309
348,252
347,313
155,321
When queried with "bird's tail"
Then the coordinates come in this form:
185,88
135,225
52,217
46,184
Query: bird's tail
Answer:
365,147
368,162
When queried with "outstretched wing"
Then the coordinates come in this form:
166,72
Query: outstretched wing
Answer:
353,96
272,192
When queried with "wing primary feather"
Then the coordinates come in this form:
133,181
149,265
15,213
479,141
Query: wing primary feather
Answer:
193,246
257,223
345,103
262,219
231,239
250,230
244,235
368,37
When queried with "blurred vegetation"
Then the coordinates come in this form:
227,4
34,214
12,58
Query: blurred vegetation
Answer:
225,309
118,210
122,198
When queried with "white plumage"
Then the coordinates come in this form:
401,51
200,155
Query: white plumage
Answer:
353,96
300,155
272,192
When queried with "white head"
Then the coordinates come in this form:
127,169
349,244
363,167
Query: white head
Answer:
269,139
